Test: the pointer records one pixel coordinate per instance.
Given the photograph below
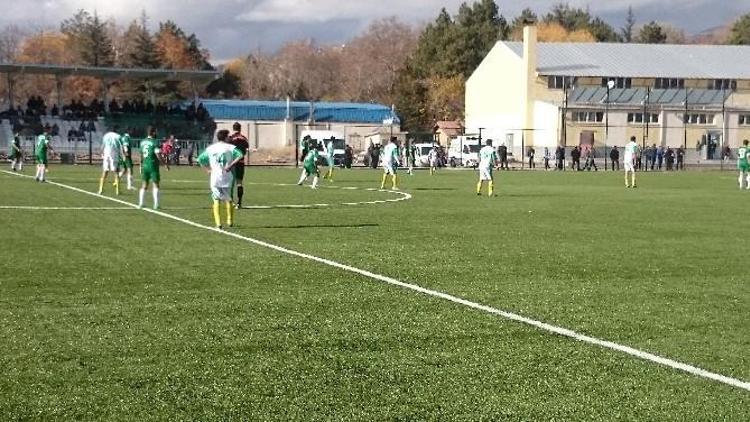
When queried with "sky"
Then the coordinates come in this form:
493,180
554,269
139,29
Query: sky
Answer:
232,28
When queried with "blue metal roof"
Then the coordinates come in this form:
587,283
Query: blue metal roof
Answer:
299,111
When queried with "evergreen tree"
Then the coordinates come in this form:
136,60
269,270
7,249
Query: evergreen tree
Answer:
572,19
740,32
652,33
90,39
527,17
602,31
627,30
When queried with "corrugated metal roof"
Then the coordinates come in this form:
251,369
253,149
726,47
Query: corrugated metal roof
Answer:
636,96
641,60
299,111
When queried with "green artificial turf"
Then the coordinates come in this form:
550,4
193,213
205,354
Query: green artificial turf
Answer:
127,315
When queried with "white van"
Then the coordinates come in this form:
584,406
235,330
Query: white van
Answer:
323,137
422,153
464,152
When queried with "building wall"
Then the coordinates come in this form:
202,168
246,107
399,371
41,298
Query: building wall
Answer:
494,95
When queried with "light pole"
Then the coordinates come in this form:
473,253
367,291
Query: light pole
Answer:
610,85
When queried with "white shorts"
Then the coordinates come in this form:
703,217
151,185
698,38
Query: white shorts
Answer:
110,164
221,194
433,163
628,166
389,169
485,174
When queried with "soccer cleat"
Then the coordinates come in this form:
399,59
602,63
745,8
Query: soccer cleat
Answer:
219,227
237,206
479,193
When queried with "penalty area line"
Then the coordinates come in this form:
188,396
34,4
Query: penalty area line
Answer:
543,326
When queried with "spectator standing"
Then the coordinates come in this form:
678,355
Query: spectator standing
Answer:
502,152
590,155
547,157
669,158
660,157
614,156
560,157
680,158
575,156
531,155
348,156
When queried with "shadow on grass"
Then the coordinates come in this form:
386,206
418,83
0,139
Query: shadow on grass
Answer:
321,226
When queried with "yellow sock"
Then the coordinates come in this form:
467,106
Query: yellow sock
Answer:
117,186
217,216
395,182
479,187
633,179
491,187
382,183
330,174
230,213
101,184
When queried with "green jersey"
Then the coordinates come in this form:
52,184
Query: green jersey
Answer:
149,153
127,146
743,160
42,143
487,157
311,159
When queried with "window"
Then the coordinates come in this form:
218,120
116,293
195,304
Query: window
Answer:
698,119
560,82
725,84
619,82
588,116
745,119
638,118
669,83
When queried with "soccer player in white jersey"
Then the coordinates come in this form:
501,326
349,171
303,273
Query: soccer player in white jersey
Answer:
432,157
111,149
219,159
743,164
487,162
390,163
631,152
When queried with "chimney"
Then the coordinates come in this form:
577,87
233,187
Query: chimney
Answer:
529,82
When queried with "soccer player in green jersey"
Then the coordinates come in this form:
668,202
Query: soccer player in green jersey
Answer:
42,147
151,157
16,154
487,162
310,165
126,155
219,159
743,164
111,150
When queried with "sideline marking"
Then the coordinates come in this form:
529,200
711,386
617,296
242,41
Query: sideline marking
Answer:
690,369
31,208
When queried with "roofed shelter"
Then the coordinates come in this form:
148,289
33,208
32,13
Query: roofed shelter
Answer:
197,78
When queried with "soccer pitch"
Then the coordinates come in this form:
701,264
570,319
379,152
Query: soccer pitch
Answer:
108,312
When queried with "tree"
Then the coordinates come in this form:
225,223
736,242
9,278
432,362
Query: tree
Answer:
740,32
674,34
10,43
527,17
602,31
554,32
89,37
627,30
479,27
652,33
140,49
570,18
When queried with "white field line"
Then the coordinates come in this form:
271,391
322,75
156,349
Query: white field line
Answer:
32,208
690,369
